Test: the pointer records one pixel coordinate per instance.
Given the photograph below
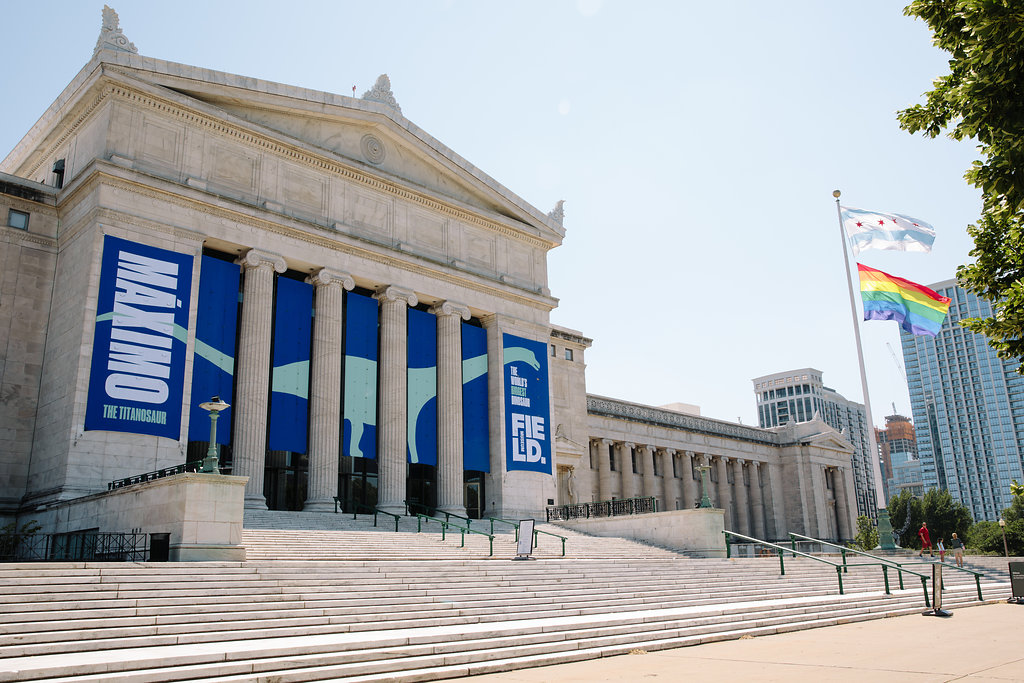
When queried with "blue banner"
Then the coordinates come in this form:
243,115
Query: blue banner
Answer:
476,441
359,438
421,406
289,392
213,365
138,355
527,407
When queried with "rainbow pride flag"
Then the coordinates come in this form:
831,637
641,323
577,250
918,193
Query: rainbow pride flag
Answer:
918,309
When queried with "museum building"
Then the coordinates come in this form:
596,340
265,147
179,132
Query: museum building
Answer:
372,307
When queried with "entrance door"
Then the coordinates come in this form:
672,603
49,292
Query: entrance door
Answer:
284,480
473,499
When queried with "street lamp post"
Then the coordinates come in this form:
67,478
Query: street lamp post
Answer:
1002,528
211,464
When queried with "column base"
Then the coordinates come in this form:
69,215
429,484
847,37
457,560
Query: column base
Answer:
393,508
459,510
256,503
320,506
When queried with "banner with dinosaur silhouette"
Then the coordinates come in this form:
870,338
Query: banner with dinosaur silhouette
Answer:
527,405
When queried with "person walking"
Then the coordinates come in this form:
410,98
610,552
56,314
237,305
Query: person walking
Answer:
926,541
958,550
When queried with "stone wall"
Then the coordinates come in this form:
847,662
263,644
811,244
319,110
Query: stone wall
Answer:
696,531
201,512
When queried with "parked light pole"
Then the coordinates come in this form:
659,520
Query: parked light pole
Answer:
211,464
1002,528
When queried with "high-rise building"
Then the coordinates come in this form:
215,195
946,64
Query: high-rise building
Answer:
968,409
897,450
797,396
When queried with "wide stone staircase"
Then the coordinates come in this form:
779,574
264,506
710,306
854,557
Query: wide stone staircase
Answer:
377,605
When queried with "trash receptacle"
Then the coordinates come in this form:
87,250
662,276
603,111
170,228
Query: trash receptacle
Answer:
159,547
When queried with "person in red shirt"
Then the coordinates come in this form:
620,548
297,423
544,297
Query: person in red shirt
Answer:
926,541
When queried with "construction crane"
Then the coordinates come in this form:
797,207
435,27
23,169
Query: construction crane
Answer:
897,362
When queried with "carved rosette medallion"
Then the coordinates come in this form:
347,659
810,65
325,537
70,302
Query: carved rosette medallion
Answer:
373,149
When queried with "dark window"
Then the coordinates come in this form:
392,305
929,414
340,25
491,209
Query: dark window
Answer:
17,219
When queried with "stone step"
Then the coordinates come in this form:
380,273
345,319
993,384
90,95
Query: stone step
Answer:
390,652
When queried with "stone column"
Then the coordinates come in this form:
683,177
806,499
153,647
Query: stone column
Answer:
842,505
325,390
450,493
252,392
604,470
645,454
391,421
724,499
740,508
691,489
627,489
757,501
668,481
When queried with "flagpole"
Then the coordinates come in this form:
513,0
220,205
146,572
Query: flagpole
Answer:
884,524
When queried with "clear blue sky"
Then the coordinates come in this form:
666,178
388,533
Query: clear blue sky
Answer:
696,144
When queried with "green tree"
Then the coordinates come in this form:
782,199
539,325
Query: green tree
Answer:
944,515
906,514
1017,489
981,99
867,535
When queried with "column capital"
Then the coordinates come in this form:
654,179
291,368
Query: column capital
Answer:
255,258
625,444
451,308
670,451
326,277
606,442
393,293
740,461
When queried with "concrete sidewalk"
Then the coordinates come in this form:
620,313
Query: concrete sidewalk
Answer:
984,643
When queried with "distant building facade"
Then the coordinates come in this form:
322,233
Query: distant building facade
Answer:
968,409
799,395
897,450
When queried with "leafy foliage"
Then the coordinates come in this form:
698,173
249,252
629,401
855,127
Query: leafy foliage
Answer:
943,515
867,535
982,99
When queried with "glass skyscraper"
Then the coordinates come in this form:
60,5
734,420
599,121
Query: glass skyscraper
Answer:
968,408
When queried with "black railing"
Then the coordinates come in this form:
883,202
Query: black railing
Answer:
194,466
88,546
604,508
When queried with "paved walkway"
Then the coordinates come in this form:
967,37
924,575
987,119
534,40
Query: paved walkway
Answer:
976,644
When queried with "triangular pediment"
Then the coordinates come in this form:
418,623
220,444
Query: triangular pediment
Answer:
368,135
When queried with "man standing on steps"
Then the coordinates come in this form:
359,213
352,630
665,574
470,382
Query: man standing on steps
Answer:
926,541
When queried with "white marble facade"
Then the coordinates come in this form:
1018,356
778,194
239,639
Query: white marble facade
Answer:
354,195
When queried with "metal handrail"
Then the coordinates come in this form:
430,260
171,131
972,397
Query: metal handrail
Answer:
839,567
603,508
898,565
514,524
445,524
449,515
538,531
193,466
372,508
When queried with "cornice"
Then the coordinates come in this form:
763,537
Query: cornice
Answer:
325,242
606,407
302,155
11,235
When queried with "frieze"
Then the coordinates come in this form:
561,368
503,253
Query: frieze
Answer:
667,418
328,243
